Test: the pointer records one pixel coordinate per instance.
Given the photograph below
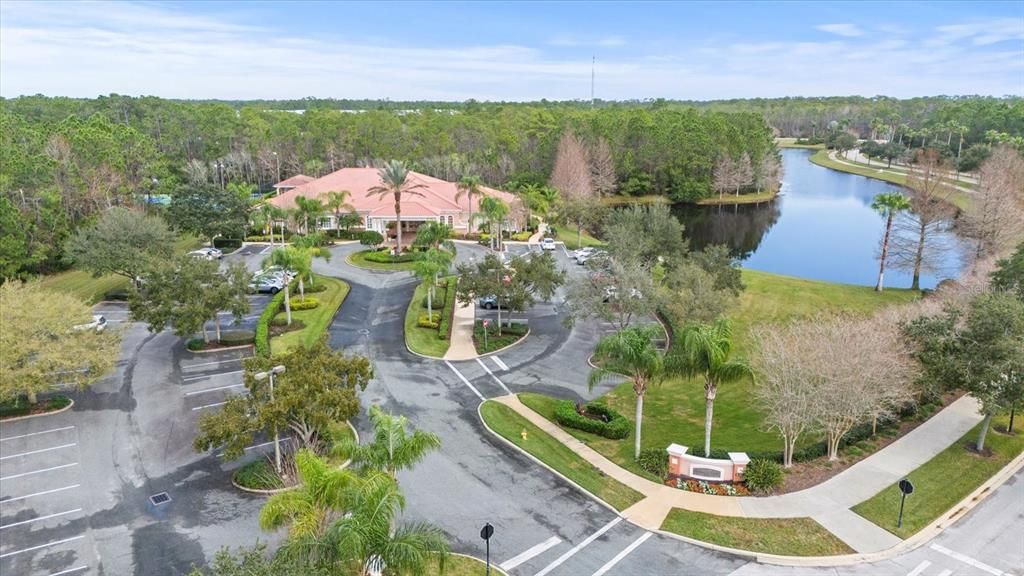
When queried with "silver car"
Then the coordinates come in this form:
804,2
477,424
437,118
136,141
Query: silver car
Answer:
207,253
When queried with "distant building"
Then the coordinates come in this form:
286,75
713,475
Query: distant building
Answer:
293,182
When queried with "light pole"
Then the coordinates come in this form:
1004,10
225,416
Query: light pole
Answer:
261,376
149,194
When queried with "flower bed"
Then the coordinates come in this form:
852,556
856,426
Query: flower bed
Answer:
710,488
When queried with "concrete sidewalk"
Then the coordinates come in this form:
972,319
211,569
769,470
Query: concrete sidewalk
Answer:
828,503
461,346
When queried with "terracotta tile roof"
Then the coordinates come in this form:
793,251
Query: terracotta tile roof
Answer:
297,180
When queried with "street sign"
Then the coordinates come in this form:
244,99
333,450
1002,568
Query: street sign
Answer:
906,487
487,531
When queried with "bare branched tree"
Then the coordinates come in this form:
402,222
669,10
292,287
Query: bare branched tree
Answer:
769,173
995,217
724,174
921,235
744,175
786,384
571,173
602,168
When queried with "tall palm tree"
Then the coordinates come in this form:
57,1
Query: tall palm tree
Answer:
337,202
290,258
703,350
394,177
494,210
888,205
308,209
325,494
313,245
392,448
633,351
469,186
277,215
366,540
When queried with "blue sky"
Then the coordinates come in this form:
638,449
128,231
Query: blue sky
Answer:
510,51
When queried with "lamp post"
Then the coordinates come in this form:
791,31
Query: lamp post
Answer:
261,376
149,194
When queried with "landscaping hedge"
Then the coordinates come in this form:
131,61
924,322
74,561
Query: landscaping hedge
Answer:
444,328
237,337
227,243
262,343
385,257
304,304
432,321
20,406
440,295
654,461
616,428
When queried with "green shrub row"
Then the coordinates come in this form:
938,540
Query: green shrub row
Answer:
262,343
616,428
237,337
262,238
304,304
440,293
385,257
431,321
227,244
444,329
20,406
521,236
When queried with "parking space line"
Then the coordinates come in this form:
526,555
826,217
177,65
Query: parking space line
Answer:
919,568
966,560
561,559
41,546
209,406
41,450
204,377
946,572
497,361
51,469
255,446
464,381
529,553
43,493
216,362
47,517
491,374
618,557
37,433
70,571
194,392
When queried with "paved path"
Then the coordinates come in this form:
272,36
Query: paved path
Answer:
902,169
461,346
828,503
832,155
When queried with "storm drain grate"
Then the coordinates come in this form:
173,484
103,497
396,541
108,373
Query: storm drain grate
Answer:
161,498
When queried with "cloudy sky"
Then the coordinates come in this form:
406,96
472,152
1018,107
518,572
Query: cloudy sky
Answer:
510,51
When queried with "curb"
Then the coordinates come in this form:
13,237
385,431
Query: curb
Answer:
239,347
494,567
27,416
502,349
348,260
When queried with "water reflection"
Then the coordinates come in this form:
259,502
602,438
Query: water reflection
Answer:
822,227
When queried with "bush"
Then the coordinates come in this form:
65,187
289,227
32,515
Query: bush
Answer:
120,295
432,321
385,257
194,344
616,427
307,304
521,236
20,406
227,243
258,475
371,238
654,461
237,337
439,298
316,288
262,342
763,475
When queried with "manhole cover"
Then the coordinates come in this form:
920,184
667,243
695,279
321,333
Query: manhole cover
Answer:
364,331
161,498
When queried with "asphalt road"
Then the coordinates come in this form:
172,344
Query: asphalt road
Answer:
75,487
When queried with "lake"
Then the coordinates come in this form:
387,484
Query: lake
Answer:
822,227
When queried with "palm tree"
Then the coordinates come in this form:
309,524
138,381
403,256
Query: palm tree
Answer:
394,177
338,202
494,210
428,268
888,205
469,186
290,258
704,350
280,215
324,494
366,541
392,448
435,235
313,245
633,351
307,209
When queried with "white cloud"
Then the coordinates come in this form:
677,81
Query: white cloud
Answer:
571,40
845,30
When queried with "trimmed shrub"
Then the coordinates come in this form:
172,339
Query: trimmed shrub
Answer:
371,238
307,304
654,461
319,287
385,257
194,344
237,337
521,236
432,321
763,475
614,425
439,298
262,342
20,406
227,243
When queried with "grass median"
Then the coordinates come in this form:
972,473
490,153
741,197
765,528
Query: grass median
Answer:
359,260
568,234
315,321
421,339
783,536
510,425
943,481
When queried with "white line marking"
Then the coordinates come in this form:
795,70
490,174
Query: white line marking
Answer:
558,562
530,553
70,570
216,362
44,493
618,557
265,250
488,370
255,446
73,538
501,365
37,433
966,560
38,451
946,572
204,377
13,476
209,406
466,382
919,568
194,392
47,517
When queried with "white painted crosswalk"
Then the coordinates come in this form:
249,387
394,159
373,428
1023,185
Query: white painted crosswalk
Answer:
530,553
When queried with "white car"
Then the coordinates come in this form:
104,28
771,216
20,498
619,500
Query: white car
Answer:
582,254
208,253
547,244
99,324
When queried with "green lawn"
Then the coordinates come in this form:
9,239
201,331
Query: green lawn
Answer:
358,259
630,200
791,143
728,199
545,448
785,536
956,197
943,481
567,234
674,409
457,565
315,320
419,339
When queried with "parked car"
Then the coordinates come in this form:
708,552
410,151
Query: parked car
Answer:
267,283
208,253
583,252
279,271
592,255
612,293
99,324
547,244
488,302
